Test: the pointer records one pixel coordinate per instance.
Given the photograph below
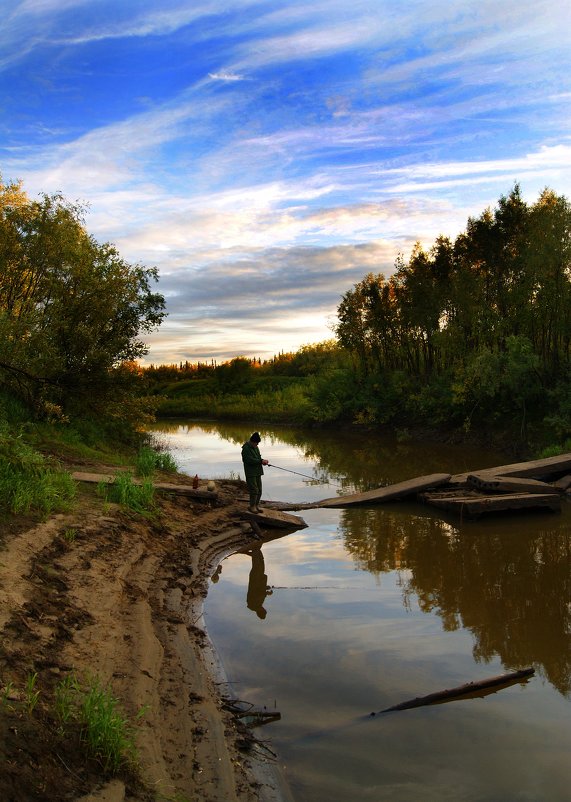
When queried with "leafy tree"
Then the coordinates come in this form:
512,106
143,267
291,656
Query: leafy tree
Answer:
71,310
481,326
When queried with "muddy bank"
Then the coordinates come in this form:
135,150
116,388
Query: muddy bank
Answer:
107,594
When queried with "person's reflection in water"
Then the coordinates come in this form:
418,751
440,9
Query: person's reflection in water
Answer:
258,587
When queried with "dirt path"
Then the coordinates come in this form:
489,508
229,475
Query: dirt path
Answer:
119,597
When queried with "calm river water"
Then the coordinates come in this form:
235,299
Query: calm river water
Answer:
369,607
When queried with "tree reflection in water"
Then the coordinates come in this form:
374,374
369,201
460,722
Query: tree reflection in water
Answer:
508,583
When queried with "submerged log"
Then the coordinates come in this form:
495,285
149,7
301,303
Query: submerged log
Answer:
464,691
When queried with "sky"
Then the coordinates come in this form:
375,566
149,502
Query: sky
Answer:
266,156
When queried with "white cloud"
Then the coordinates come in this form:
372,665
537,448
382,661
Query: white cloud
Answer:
224,75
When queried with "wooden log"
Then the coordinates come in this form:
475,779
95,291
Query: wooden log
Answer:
380,494
508,484
259,718
533,469
472,506
564,483
463,691
166,487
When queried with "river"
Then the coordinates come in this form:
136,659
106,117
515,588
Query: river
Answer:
369,607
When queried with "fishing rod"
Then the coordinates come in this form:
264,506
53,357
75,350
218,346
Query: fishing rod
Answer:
305,475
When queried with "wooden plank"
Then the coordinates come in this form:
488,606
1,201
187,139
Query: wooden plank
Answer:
167,487
564,483
480,505
508,484
380,494
275,519
533,469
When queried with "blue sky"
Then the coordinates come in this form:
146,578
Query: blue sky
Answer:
265,156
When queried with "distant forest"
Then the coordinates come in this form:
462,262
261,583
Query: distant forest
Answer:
473,334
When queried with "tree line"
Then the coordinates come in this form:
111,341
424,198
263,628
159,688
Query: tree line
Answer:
469,332
472,329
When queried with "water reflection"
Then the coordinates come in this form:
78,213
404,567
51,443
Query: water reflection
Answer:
375,606
258,588
344,459
511,588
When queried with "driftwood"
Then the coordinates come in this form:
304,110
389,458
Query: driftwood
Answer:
462,691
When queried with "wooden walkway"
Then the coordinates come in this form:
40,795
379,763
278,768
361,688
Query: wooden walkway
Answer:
537,484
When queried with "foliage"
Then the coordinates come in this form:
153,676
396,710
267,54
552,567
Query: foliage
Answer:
28,483
481,327
71,312
473,332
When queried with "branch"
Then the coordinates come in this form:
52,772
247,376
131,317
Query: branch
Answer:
463,690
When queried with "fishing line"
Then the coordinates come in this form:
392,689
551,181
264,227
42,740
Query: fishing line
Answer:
305,475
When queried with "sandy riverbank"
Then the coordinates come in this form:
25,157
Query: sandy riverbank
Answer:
116,596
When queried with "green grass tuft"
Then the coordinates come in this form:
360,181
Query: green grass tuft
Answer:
28,483
149,460
137,497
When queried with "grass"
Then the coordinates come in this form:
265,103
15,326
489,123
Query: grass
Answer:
150,460
288,404
123,490
32,694
105,731
28,482
70,535
555,450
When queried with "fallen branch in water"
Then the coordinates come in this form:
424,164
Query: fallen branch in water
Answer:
462,691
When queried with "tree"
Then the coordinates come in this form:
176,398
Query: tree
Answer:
71,310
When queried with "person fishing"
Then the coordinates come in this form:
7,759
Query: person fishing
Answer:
253,469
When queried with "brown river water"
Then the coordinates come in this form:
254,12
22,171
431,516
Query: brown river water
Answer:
369,607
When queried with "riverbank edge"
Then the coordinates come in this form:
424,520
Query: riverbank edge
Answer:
140,585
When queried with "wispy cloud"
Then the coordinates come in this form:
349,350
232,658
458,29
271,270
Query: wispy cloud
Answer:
225,76
275,152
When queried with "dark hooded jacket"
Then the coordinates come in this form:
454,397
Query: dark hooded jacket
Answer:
252,459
